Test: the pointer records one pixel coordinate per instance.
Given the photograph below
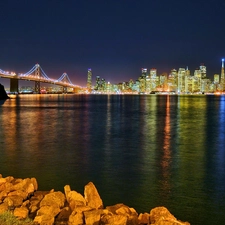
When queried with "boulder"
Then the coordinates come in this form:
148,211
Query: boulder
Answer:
92,196
161,216
124,210
75,199
93,216
14,201
27,185
63,216
20,193
56,199
143,219
76,218
44,220
114,219
4,207
7,187
21,213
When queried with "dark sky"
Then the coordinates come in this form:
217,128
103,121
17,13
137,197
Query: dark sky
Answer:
116,38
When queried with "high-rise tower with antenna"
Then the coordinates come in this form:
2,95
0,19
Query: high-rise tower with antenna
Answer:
222,81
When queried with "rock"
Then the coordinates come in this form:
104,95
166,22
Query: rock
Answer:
92,197
20,193
3,195
114,220
63,216
4,207
44,220
14,201
3,95
56,199
67,190
49,207
2,180
75,199
121,209
21,197
161,216
21,213
143,219
48,210
7,187
27,185
93,216
76,218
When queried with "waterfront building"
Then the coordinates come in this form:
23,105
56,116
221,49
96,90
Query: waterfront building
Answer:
154,79
103,85
89,79
172,80
163,82
216,82
216,79
131,83
135,87
195,84
188,84
142,80
202,69
222,78
98,83
148,84
181,80
205,85
198,76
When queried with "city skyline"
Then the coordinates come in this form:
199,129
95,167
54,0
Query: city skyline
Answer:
148,70
114,38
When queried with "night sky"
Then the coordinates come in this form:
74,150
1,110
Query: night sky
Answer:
116,38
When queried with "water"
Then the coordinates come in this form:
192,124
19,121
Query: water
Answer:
144,151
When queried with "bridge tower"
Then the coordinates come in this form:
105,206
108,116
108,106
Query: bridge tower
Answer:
37,73
14,85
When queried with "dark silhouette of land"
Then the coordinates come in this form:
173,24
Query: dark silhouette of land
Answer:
3,94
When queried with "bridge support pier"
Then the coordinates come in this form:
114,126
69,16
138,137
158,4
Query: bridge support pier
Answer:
37,87
64,90
14,85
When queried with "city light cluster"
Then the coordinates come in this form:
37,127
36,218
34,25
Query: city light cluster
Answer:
177,81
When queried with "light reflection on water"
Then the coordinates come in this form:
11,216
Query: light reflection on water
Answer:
144,151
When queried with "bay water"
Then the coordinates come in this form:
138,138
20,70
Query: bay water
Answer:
141,150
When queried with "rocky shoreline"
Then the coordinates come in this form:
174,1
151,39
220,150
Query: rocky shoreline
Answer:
23,199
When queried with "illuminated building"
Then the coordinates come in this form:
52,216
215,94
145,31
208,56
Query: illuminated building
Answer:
148,84
154,79
142,80
98,83
89,79
216,79
198,76
103,85
163,81
172,80
181,80
222,81
203,71
108,87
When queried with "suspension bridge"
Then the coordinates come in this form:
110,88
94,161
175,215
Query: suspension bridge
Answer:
37,75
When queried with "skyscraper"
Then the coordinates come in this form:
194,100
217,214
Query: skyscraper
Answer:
203,71
89,79
222,76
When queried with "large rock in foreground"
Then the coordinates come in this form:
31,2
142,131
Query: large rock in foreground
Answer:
3,94
21,197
